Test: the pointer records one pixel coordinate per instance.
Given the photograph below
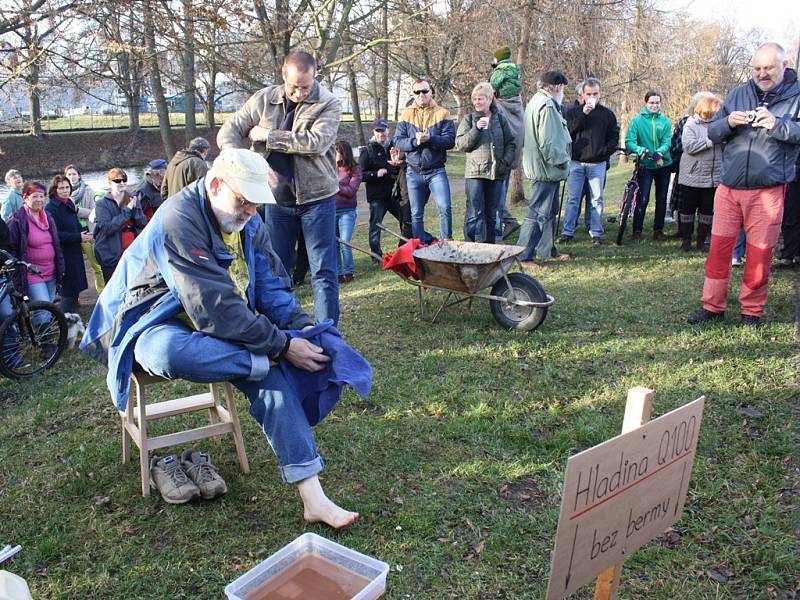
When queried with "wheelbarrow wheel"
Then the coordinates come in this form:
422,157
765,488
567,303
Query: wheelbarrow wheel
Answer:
514,316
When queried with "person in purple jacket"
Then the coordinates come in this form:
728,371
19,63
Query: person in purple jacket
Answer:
349,180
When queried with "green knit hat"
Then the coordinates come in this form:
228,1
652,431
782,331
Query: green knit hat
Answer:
502,53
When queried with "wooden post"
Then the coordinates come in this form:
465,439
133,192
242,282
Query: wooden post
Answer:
637,413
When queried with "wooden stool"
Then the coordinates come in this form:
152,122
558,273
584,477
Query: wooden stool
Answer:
224,419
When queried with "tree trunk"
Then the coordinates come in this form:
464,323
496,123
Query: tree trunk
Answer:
208,107
34,103
351,75
383,108
397,96
188,71
133,111
155,83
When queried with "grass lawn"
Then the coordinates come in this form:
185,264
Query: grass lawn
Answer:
456,460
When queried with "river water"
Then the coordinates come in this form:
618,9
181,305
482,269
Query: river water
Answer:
97,180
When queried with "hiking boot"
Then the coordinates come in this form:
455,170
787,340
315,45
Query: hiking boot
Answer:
200,470
658,236
686,245
750,321
565,239
170,480
597,241
637,236
704,316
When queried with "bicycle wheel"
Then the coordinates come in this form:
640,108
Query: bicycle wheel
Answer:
624,215
514,316
32,342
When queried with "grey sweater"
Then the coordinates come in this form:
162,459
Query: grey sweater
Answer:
701,158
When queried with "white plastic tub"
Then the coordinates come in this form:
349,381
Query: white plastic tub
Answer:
372,572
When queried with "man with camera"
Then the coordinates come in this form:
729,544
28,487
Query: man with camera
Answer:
759,124
595,137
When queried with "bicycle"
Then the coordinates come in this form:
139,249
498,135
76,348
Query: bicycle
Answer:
34,335
630,199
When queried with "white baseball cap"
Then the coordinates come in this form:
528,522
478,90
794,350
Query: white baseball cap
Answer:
248,170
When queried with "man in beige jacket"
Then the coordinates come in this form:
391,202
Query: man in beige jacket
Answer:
294,125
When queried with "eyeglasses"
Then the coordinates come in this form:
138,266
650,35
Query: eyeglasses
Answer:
121,180
417,92
241,201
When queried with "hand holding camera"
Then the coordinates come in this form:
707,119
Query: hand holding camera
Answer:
763,118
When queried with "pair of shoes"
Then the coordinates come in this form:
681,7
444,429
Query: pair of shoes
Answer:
658,236
686,245
637,236
704,316
597,241
565,239
750,321
737,262
784,263
529,265
347,278
509,227
179,482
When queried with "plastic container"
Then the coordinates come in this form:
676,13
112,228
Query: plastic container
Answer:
349,564
14,587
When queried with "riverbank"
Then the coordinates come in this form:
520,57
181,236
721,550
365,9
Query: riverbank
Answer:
99,149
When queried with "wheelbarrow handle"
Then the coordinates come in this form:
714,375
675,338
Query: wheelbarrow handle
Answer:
382,227
377,257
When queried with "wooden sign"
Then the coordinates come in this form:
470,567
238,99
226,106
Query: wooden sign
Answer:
621,494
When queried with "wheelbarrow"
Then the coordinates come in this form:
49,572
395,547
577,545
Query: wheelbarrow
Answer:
463,269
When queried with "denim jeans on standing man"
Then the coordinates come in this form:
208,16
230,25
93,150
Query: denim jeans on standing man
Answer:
538,229
317,220
418,184
579,174
174,351
345,223
377,211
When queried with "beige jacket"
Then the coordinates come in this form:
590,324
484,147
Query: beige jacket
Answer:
311,140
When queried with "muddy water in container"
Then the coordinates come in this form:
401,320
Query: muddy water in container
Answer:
311,576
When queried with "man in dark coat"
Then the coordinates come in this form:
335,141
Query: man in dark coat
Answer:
186,166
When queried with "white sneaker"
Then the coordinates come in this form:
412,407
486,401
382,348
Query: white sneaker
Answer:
737,262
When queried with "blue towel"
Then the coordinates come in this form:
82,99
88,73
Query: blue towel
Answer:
319,392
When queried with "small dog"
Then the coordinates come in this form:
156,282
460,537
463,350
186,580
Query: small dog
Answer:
76,329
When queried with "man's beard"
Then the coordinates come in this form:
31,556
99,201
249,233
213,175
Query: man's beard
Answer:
230,223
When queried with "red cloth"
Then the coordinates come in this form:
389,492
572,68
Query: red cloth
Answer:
128,234
401,261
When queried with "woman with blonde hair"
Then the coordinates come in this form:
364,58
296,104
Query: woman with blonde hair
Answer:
699,173
489,142
118,220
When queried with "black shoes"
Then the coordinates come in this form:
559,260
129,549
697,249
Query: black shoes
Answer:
565,239
597,241
750,321
704,316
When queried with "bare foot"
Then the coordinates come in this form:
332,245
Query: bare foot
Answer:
318,508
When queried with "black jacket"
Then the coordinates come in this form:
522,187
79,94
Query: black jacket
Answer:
69,229
372,158
5,237
595,136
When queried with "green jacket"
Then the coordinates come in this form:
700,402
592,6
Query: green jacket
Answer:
184,168
651,132
547,149
506,80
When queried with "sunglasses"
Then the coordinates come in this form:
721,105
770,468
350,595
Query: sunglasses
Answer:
417,92
120,180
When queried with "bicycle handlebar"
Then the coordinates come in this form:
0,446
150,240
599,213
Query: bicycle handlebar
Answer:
15,262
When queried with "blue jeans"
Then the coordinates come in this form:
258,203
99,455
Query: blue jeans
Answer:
317,221
646,178
345,223
579,174
44,292
538,229
436,181
483,196
741,244
174,351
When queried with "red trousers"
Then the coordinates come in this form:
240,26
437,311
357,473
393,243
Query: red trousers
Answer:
760,213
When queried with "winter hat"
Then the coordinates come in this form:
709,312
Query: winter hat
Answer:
502,53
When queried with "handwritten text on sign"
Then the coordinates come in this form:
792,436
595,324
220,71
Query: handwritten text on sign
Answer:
621,494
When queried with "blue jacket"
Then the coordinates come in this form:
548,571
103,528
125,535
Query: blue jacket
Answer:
179,264
432,154
754,157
